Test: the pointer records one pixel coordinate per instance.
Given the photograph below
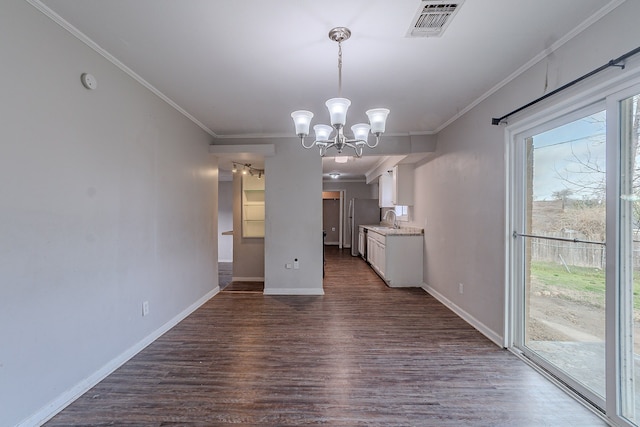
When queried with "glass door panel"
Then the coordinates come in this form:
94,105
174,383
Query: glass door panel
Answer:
563,251
629,290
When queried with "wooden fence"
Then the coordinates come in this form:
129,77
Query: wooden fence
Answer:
570,253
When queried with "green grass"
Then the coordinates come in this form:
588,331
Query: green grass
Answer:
582,283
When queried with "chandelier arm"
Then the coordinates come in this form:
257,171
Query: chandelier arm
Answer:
350,142
356,147
302,142
374,145
324,146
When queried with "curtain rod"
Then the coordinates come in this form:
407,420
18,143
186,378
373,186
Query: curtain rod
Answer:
613,63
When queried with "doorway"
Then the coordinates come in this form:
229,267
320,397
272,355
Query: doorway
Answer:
333,217
225,231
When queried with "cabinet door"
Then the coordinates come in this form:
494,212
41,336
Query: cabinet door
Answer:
402,191
385,190
394,185
376,254
370,250
361,243
381,258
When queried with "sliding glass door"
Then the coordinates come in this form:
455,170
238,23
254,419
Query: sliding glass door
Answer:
575,250
562,249
628,292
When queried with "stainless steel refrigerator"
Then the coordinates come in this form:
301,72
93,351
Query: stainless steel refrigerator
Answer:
361,212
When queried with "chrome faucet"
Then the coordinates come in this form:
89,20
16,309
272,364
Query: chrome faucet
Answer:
395,217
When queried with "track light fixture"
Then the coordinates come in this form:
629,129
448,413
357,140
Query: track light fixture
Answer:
248,169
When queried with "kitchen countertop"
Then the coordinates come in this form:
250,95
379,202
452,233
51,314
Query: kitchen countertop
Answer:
390,231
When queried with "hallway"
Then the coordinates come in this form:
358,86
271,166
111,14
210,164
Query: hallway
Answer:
361,355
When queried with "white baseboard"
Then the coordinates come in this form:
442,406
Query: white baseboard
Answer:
247,279
65,399
293,291
481,327
225,260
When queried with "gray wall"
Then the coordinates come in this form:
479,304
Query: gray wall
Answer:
108,199
460,190
293,220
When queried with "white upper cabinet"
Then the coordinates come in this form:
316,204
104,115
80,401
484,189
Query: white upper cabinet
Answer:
402,185
385,190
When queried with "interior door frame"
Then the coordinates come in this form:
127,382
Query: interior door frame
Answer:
341,214
341,222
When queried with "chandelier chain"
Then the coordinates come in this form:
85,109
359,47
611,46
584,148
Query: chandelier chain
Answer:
340,69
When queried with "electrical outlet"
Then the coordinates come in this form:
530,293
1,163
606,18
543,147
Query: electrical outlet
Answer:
461,288
333,229
145,308
296,264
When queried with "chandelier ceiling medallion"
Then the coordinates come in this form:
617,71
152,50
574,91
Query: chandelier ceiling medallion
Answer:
338,111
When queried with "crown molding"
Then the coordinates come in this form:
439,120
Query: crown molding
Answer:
539,57
97,48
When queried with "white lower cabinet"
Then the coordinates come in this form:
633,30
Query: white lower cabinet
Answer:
381,258
397,258
371,249
375,251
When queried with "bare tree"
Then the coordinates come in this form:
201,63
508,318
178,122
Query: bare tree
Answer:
563,195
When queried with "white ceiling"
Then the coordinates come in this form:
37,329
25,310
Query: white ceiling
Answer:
239,67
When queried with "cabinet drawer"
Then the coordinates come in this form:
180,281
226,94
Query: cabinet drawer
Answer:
377,237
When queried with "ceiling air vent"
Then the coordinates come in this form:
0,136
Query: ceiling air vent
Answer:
433,18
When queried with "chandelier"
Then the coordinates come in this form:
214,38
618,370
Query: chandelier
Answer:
338,112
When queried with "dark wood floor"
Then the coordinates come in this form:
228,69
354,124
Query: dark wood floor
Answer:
225,274
361,355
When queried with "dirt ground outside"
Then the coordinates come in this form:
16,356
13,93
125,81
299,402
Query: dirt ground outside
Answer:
556,314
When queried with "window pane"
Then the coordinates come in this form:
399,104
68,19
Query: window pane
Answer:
564,261
629,259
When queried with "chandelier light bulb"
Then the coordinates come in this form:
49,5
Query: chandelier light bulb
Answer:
361,131
338,110
377,118
322,132
302,120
